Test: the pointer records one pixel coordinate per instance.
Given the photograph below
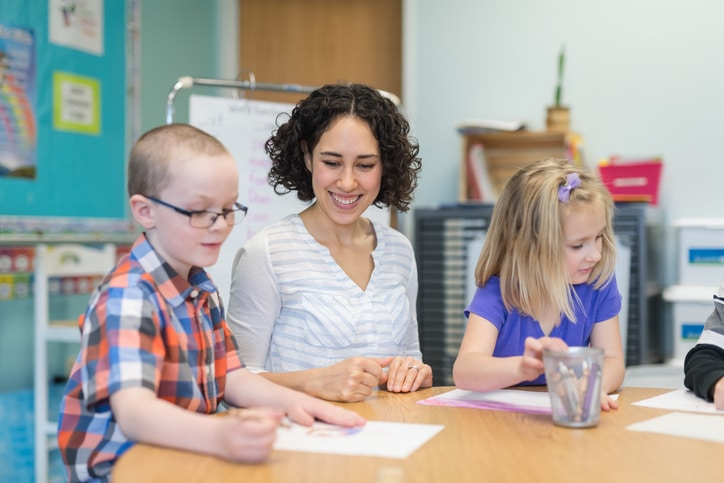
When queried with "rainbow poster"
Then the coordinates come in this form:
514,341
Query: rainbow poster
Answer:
18,130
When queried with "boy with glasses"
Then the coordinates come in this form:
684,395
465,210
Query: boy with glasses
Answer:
156,354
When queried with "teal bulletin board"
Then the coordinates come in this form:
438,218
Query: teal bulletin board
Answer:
63,95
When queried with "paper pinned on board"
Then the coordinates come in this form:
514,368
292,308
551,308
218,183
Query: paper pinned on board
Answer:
376,438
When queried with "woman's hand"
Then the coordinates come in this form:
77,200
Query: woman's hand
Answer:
406,374
349,380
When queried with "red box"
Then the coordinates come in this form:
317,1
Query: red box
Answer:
632,180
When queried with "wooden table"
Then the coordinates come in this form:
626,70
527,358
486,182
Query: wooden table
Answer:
475,445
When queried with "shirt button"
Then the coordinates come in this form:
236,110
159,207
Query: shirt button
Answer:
194,293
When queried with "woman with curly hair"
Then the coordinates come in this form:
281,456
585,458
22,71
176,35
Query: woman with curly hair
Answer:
324,301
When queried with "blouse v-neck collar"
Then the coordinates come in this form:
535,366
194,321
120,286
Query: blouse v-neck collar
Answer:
334,267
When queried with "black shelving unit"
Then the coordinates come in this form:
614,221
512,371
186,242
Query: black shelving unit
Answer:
646,330
441,241
442,237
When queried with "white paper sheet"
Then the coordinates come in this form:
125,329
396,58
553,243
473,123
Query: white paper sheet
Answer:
680,400
514,400
376,438
501,400
699,426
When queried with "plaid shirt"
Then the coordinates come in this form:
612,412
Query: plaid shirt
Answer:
145,326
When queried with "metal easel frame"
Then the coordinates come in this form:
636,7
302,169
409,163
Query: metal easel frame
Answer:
187,82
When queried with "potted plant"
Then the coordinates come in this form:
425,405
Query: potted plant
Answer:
558,115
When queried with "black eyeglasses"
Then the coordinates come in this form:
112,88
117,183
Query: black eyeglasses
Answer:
207,218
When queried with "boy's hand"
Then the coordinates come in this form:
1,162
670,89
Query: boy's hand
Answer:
248,435
719,394
304,409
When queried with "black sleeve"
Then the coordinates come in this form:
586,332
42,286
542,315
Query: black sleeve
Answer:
703,367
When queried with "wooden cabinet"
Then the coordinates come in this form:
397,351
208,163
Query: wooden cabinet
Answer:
367,46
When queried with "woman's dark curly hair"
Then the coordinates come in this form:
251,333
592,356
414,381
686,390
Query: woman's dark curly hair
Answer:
313,115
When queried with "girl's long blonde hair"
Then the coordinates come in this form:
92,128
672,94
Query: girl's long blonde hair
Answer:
525,246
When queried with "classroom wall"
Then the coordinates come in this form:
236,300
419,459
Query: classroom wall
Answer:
178,37
642,78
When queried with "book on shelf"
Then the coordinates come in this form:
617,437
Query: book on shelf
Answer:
489,159
472,126
479,186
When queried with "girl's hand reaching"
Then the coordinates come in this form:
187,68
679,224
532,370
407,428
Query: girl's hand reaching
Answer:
531,365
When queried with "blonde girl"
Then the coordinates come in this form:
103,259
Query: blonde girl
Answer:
545,279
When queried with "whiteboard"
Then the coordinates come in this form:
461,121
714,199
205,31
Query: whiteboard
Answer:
244,125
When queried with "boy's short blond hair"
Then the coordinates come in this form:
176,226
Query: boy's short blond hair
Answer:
153,155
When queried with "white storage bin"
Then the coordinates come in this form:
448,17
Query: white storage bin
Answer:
691,306
700,251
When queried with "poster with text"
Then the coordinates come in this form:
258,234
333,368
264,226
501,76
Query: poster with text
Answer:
76,103
18,130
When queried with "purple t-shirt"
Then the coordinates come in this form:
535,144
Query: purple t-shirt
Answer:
513,328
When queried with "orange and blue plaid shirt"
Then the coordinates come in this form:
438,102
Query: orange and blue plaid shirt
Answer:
145,326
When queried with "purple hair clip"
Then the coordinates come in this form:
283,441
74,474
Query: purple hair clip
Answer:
564,192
